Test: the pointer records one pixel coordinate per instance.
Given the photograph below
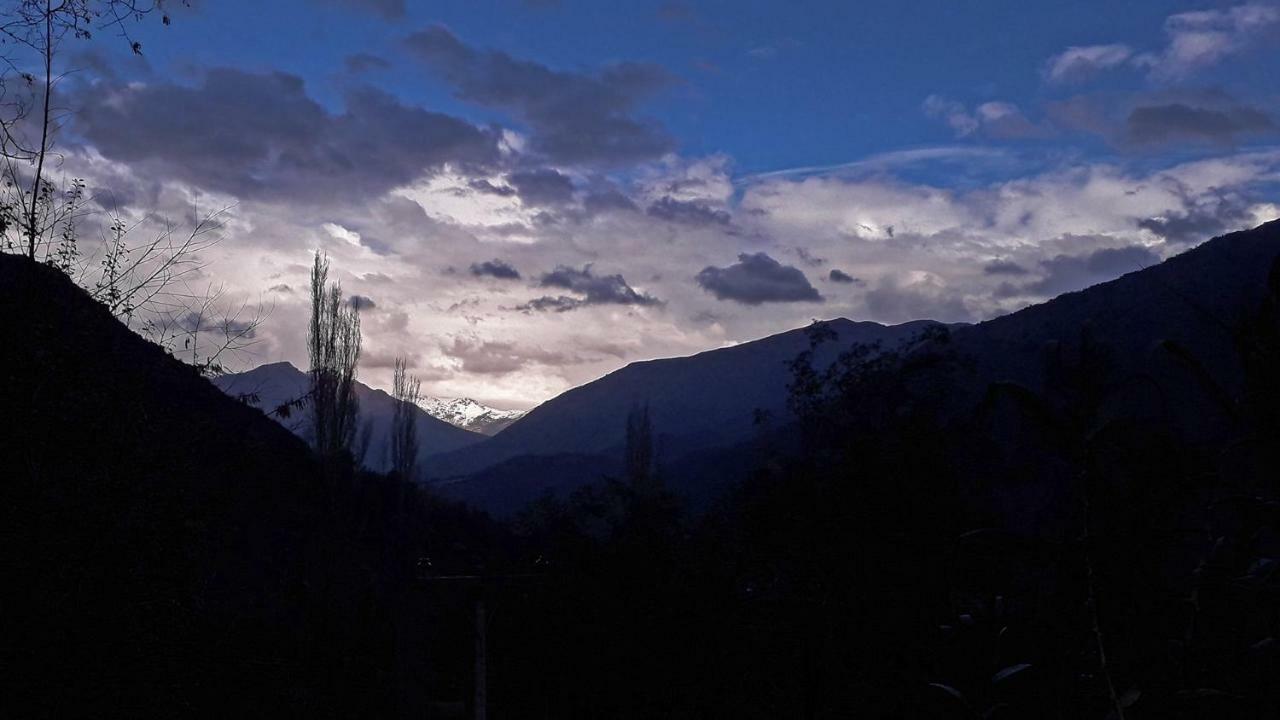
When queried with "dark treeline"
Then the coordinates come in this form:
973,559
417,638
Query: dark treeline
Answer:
169,551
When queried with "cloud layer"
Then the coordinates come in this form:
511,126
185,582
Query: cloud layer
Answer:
574,117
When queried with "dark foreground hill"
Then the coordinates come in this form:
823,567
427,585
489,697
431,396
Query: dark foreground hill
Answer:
171,552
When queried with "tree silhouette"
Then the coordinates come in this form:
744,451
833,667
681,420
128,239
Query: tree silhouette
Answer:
333,341
33,31
406,389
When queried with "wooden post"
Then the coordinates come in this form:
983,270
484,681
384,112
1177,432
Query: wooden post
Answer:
482,690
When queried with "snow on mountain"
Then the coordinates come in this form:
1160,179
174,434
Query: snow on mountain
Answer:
469,414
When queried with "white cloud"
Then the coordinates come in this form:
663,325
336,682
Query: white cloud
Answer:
1193,41
1202,38
920,250
995,119
1079,62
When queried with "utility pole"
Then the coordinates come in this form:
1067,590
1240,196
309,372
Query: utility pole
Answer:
482,672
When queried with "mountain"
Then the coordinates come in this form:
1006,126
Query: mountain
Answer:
703,406
470,415
268,386
705,400
1147,321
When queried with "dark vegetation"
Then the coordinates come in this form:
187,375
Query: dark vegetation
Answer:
172,552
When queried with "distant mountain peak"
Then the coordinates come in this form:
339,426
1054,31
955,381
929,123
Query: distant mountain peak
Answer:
469,414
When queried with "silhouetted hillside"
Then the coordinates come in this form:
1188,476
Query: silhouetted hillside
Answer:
1195,299
697,402
171,552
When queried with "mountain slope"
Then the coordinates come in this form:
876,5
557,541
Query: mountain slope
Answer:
172,552
696,402
1194,301
268,386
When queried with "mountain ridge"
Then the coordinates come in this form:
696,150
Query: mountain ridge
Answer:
268,386
470,415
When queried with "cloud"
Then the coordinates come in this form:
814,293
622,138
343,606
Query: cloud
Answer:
1199,221
1065,273
1193,41
590,288
840,276
487,187
921,296
496,269
689,212
261,136
996,119
1003,267
576,118
597,203
556,303
542,187
361,302
1082,62
1199,39
1181,122
364,62
755,279
488,357
954,113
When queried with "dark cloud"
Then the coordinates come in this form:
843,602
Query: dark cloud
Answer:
757,278
364,62
558,303
489,188
1199,222
589,288
1086,114
840,276
281,288
542,187
575,117
1181,122
606,201
810,259
687,212
893,302
388,9
361,302
495,268
596,288
262,136
114,198
1066,273
1003,267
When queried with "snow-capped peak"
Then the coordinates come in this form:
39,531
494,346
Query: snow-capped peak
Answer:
469,414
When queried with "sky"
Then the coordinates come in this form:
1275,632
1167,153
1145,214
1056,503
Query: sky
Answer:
528,194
